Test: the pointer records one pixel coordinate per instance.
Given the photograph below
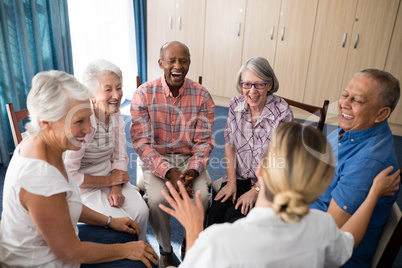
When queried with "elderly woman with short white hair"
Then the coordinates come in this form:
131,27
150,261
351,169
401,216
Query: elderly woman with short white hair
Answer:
100,167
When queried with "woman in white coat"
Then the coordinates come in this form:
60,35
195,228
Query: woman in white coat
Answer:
281,230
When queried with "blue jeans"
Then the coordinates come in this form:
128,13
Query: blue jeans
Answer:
98,234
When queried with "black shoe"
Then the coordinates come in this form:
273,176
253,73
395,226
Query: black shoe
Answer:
166,260
183,249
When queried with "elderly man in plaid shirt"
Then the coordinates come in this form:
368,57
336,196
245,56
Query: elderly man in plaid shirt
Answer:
172,121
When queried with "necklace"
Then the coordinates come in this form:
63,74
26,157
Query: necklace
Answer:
103,125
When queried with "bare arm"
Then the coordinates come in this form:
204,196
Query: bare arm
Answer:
383,185
116,177
55,226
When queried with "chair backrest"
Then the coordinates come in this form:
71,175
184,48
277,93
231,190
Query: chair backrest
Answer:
139,80
321,112
14,117
390,240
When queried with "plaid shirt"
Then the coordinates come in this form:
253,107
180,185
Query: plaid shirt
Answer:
250,143
163,124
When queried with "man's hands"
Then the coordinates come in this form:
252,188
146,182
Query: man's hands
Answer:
187,178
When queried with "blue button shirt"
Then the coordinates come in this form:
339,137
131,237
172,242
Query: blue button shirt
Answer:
361,155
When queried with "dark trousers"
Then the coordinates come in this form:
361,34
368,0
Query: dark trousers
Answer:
225,212
102,235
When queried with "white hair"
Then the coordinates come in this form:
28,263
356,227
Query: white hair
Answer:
50,98
96,69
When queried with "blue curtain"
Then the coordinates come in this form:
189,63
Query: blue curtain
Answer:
140,17
34,37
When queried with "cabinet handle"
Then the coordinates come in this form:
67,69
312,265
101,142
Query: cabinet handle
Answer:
283,33
238,29
357,40
179,23
344,39
170,22
272,32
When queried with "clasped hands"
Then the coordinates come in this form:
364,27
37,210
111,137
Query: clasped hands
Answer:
187,178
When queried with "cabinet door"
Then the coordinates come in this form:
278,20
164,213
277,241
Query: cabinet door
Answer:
332,35
160,29
394,64
223,45
371,36
294,44
261,29
189,29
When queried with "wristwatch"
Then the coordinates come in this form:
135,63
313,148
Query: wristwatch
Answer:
255,186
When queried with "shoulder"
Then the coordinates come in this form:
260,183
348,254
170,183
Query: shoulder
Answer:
278,102
196,88
149,86
237,101
38,177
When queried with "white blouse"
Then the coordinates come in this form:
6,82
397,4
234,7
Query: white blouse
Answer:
262,240
21,244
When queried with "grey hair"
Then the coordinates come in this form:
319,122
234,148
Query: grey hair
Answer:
389,87
96,69
49,99
260,67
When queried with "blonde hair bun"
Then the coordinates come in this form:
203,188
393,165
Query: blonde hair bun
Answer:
290,206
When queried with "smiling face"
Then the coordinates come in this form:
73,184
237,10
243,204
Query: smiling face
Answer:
255,98
69,132
359,107
175,62
108,96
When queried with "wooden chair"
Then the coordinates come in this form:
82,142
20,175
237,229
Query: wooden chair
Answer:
139,178
14,117
321,112
390,240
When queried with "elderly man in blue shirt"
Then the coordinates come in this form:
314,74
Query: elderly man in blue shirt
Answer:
363,144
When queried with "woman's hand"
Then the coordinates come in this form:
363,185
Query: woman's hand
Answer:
384,185
189,215
115,197
247,201
125,225
229,190
141,251
118,177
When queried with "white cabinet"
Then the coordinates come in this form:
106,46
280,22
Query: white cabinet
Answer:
349,36
281,31
224,29
295,34
181,20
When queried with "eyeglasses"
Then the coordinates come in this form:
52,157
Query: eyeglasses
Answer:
247,85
